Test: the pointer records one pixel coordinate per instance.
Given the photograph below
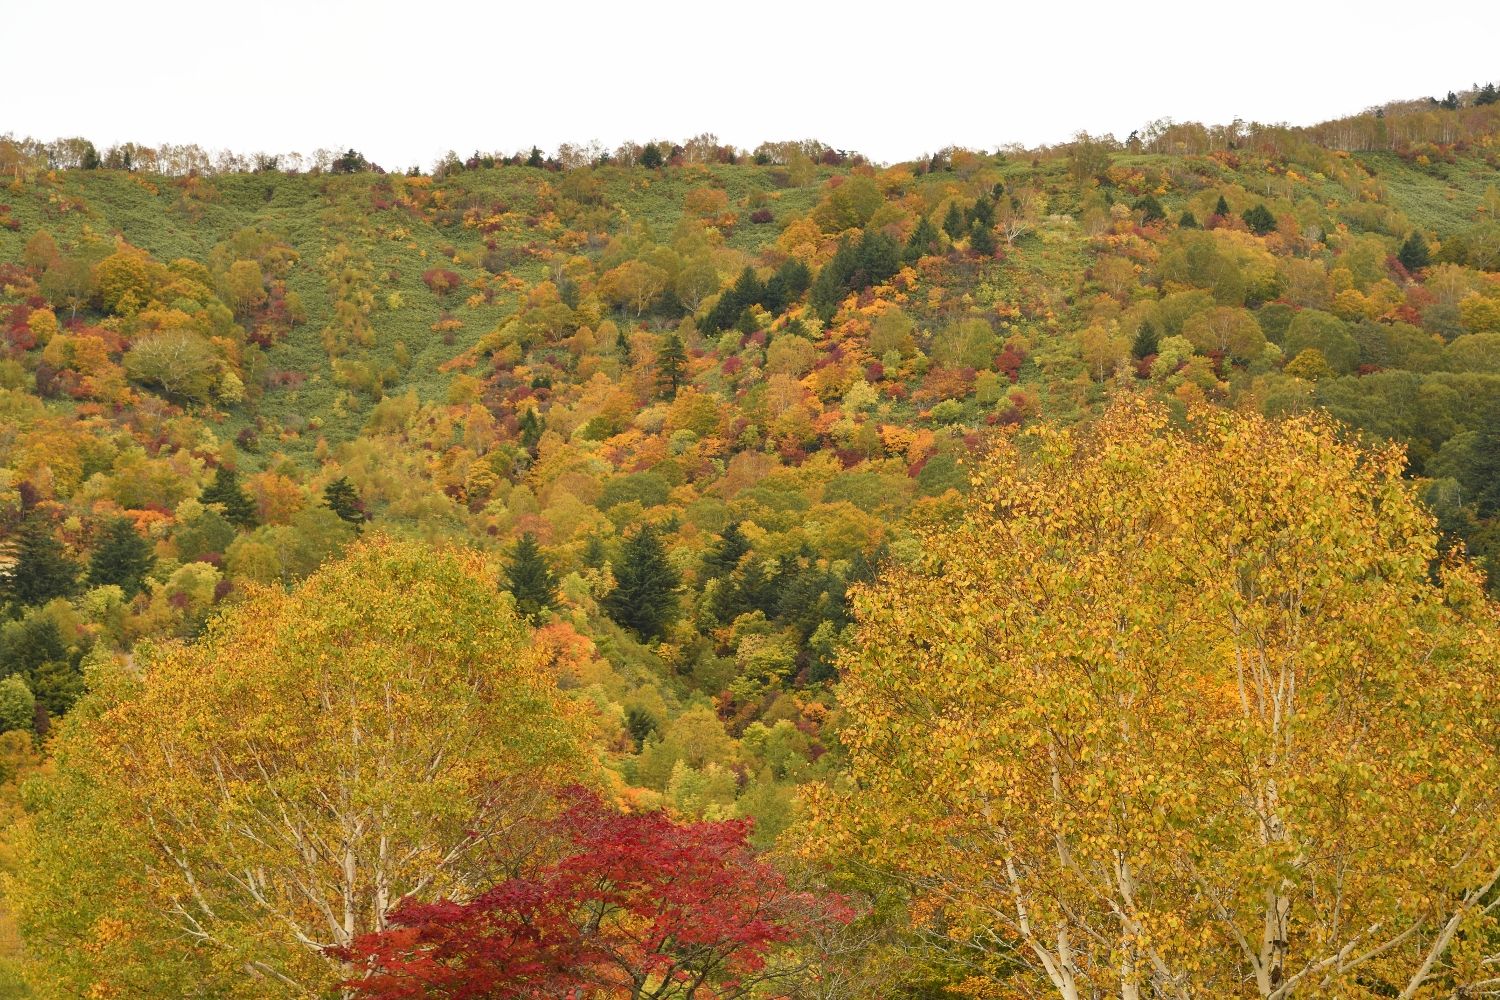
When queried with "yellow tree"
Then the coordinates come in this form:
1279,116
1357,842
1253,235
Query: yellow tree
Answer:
277,788
1184,712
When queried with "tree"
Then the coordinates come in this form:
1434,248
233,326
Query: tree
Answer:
981,240
953,222
180,364
645,596
725,555
536,160
122,558
234,808
41,570
651,157
1221,208
1146,342
17,704
1149,720
635,906
226,491
529,579
1227,330
1150,209
1187,220
923,241
1259,219
1414,254
342,498
671,363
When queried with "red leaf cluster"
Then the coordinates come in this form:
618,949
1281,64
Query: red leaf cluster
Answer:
633,902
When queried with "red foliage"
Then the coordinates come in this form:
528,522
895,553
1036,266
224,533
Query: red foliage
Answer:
761,215
441,280
634,899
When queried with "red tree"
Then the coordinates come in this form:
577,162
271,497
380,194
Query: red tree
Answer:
637,906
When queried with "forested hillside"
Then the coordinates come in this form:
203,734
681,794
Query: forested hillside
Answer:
493,532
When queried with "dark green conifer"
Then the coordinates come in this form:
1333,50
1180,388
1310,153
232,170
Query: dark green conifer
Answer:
225,490
981,240
953,222
122,558
724,557
529,579
1222,208
41,570
923,241
645,596
342,498
1146,342
651,157
1414,254
1259,219
671,364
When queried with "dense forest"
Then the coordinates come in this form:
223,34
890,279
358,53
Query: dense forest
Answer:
684,571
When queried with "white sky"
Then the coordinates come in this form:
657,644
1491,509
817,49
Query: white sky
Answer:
405,82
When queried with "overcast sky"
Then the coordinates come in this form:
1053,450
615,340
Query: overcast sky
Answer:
405,82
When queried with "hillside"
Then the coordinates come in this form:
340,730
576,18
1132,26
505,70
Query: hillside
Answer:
682,407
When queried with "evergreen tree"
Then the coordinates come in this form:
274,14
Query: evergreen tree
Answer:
724,557
122,558
1414,254
341,497
651,157
593,552
529,579
1259,219
1486,95
41,570
1188,220
983,213
1222,208
530,426
923,241
535,159
1146,342
953,222
225,491
981,240
645,596
1150,209
671,363
1449,103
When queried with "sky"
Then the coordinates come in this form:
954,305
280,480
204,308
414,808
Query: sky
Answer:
405,82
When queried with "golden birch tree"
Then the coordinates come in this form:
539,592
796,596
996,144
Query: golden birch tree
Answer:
1184,712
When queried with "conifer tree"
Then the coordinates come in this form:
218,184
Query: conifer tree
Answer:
530,426
671,363
1188,220
651,157
724,557
1259,219
41,570
645,596
1414,254
981,240
529,579
342,498
922,242
1222,208
1146,342
953,222
535,159
1150,209
123,558
225,490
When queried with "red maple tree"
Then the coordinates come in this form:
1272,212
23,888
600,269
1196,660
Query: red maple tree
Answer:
637,906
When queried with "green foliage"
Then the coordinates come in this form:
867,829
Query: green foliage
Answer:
529,579
122,558
226,492
41,570
17,704
644,598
